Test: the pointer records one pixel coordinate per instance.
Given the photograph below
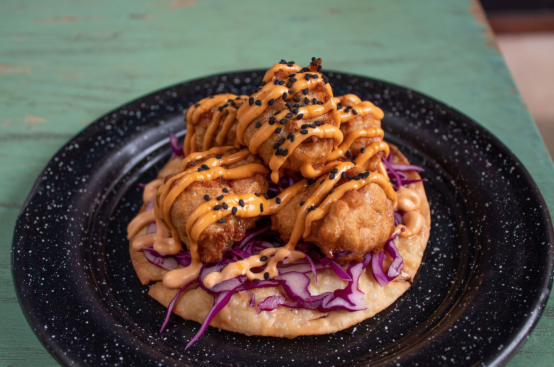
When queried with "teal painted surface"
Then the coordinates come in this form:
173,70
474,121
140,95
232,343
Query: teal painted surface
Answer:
65,63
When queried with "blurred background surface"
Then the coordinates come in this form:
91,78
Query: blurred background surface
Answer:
525,36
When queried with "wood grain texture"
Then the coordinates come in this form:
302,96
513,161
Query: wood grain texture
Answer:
65,63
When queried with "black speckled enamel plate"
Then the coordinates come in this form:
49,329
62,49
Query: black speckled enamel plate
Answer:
483,283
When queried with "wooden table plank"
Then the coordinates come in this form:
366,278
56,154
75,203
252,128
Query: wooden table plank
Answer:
64,63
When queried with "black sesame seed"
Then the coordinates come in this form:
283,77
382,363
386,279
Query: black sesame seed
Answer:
289,115
354,112
319,68
278,130
299,117
354,163
218,156
296,99
289,85
292,79
332,176
201,169
282,82
276,82
241,203
285,152
283,61
221,220
220,197
256,280
332,191
356,178
262,208
305,69
258,124
308,76
225,206
205,166
302,203
296,109
292,138
321,182
310,181
362,150
366,175
278,201
283,121
315,76
334,170
251,101
349,177
289,105
343,175
276,113
258,195
285,95
354,156
266,196
314,100
258,103
271,102
348,153
263,258
266,275
306,91
317,123
271,122
217,207
276,145
220,109
312,126
314,62
319,102
278,151
206,197
304,126
275,244
291,91
304,132
306,100
234,210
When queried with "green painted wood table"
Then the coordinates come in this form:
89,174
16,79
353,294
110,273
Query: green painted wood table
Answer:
65,63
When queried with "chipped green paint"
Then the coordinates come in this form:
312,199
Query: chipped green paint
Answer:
63,64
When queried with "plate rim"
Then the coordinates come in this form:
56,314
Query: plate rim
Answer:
517,338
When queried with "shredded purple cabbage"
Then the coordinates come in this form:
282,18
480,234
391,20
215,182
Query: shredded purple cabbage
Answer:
399,177
175,146
292,277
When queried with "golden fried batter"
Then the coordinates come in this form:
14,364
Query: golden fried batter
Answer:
216,126
360,122
362,220
312,150
217,237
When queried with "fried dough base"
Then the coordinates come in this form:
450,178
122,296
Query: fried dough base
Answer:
239,317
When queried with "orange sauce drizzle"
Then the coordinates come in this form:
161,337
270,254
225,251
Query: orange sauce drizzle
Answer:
167,241
225,111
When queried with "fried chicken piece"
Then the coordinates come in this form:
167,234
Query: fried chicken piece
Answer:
361,221
312,150
217,237
216,126
359,122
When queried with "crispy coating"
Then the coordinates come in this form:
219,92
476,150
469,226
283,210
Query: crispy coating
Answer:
312,150
199,130
361,221
217,237
357,123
